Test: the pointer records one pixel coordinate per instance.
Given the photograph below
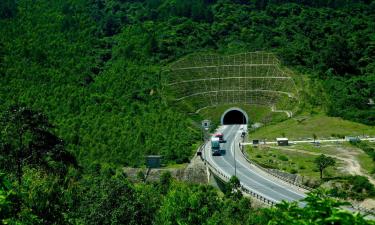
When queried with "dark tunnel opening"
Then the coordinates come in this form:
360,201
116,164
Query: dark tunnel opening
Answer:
234,117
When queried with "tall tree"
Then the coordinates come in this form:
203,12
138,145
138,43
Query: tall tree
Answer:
233,188
322,162
28,140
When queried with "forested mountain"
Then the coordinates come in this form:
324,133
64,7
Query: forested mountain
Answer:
94,66
87,73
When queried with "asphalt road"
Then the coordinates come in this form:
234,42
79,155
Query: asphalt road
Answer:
250,176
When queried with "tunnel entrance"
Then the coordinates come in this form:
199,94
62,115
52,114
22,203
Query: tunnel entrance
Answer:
234,116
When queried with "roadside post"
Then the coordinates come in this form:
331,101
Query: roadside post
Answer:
205,126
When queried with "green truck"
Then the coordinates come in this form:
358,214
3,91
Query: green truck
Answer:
215,146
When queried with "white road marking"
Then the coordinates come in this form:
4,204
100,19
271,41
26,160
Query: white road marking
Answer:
279,185
249,178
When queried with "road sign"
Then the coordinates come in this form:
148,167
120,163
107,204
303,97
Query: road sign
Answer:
206,124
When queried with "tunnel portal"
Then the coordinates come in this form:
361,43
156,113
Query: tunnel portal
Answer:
234,116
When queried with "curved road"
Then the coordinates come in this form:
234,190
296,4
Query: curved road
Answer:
250,176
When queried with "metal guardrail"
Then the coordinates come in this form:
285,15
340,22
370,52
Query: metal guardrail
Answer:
276,175
259,197
225,178
355,206
365,210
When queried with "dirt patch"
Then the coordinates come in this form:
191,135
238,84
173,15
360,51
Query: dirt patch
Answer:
349,156
368,204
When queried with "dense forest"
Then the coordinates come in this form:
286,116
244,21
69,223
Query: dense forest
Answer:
81,94
93,67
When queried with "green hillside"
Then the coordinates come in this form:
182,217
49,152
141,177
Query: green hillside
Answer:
82,95
94,68
258,114
303,127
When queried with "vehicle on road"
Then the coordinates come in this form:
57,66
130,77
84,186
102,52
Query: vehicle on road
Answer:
215,146
220,136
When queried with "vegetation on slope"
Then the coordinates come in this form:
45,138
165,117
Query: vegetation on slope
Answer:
302,127
93,67
257,114
102,196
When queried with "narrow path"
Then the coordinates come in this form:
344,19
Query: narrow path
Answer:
288,113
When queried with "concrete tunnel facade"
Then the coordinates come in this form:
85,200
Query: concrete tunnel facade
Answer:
234,115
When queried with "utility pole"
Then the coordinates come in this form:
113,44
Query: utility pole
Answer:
235,163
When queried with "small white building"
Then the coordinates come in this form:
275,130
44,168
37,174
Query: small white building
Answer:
282,141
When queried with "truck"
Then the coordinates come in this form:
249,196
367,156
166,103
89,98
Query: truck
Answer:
215,146
220,136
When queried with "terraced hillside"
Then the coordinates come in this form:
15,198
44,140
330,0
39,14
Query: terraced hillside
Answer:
253,78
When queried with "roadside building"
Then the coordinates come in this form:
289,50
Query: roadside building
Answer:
153,161
282,141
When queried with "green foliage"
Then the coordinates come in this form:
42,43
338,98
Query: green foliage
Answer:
293,171
354,187
323,162
319,209
198,204
283,158
40,201
114,200
232,189
27,140
8,199
8,9
366,147
165,182
93,67
188,205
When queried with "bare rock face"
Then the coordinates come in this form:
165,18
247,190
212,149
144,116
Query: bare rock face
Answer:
194,172
151,175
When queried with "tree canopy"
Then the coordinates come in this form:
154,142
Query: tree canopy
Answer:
81,95
322,162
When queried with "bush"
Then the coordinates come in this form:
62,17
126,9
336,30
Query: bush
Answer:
369,150
293,171
354,187
340,136
283,158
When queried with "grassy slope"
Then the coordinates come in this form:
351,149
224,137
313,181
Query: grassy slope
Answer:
321,125
255,113
365,160
302,163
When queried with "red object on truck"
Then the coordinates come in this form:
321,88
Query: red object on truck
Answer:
220,136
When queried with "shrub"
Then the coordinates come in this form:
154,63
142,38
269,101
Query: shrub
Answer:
293,171
283,158
354,187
